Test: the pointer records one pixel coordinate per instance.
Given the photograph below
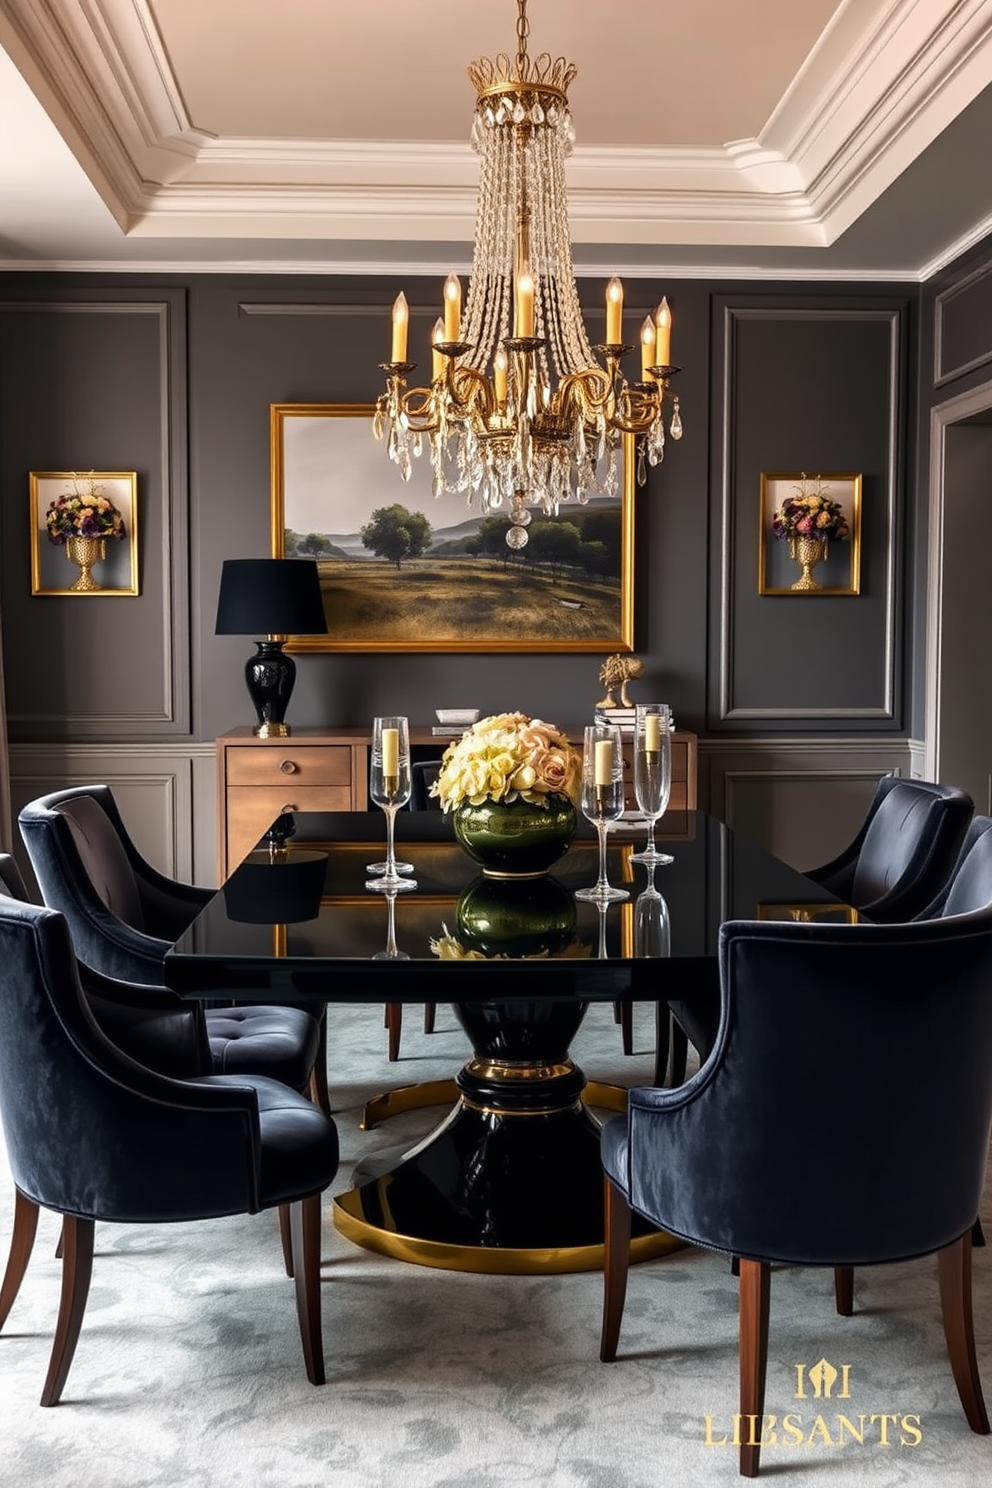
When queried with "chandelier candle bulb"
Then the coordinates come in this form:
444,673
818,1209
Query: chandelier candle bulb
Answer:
401,321
663,339
652,733
452,307
390,752
603,768
500,364
437,358
649,341
525,305
614,312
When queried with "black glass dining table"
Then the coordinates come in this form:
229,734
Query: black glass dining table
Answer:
510,1179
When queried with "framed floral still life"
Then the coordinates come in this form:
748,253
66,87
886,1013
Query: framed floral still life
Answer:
84,532
810,534
403,570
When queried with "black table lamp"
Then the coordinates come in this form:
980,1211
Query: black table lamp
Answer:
278,597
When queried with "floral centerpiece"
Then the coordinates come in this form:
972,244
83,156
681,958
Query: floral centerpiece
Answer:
83,511
810,514
512,784
808,521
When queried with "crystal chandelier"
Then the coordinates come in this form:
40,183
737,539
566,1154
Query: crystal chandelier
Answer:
519,410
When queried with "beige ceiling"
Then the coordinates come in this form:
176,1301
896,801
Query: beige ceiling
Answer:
800,136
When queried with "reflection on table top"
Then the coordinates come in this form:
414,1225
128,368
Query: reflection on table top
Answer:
306,926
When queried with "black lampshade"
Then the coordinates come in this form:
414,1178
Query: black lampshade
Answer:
270,596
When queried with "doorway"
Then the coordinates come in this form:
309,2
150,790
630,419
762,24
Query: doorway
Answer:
959,606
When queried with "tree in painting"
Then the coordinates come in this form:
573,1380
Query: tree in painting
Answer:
395,533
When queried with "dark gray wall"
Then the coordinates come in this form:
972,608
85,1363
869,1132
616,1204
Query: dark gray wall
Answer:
174,378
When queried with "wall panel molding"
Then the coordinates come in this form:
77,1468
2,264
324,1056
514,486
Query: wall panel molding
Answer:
752,434
135,400
167,796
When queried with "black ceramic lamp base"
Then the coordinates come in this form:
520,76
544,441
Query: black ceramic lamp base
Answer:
270,676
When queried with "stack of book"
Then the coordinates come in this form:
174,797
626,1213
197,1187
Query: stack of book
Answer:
622,717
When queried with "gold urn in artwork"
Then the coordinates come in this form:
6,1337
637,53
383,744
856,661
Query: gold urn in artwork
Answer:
808,552
84,552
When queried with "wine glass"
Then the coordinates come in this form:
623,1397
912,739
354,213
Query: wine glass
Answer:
652,773
602,799
389,787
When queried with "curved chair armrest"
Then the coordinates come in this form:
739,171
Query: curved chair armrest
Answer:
156,1027
169,906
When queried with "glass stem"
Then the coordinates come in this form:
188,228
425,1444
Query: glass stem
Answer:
391,926
390,854
650,848
603,882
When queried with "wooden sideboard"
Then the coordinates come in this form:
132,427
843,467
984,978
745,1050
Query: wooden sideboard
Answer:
327,770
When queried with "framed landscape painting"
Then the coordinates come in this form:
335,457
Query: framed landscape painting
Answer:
403,570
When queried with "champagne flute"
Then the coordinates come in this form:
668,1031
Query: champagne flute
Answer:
602,799
652,773
389,787
652,929
392,951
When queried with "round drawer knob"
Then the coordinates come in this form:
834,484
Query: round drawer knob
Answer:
289,767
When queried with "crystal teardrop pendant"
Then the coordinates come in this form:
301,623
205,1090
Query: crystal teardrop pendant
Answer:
675,426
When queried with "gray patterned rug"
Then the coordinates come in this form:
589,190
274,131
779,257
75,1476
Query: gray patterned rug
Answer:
189,1371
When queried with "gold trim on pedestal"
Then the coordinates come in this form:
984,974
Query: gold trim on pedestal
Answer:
445,1092
491,1260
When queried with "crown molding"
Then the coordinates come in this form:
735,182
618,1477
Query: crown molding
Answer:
884,79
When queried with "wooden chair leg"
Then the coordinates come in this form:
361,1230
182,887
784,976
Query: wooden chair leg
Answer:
844,1289
394,1026
21,1246
77,1268
60,1242
319,1093
430,1011
735,1265
286,1237
954,1275
755,1294
977,1234
616,1263
305,1232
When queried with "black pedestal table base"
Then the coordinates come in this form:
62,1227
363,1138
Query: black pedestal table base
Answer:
511,1181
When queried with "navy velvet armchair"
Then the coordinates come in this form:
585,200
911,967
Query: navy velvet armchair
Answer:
868,1045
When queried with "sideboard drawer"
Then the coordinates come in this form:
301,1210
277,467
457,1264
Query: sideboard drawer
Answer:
251,810
294,768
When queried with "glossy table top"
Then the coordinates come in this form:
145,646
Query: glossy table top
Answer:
306,926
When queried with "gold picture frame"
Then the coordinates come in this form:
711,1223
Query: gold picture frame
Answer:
838,571
329,475
54,569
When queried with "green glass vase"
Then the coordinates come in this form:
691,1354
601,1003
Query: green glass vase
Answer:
515,918
515,839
